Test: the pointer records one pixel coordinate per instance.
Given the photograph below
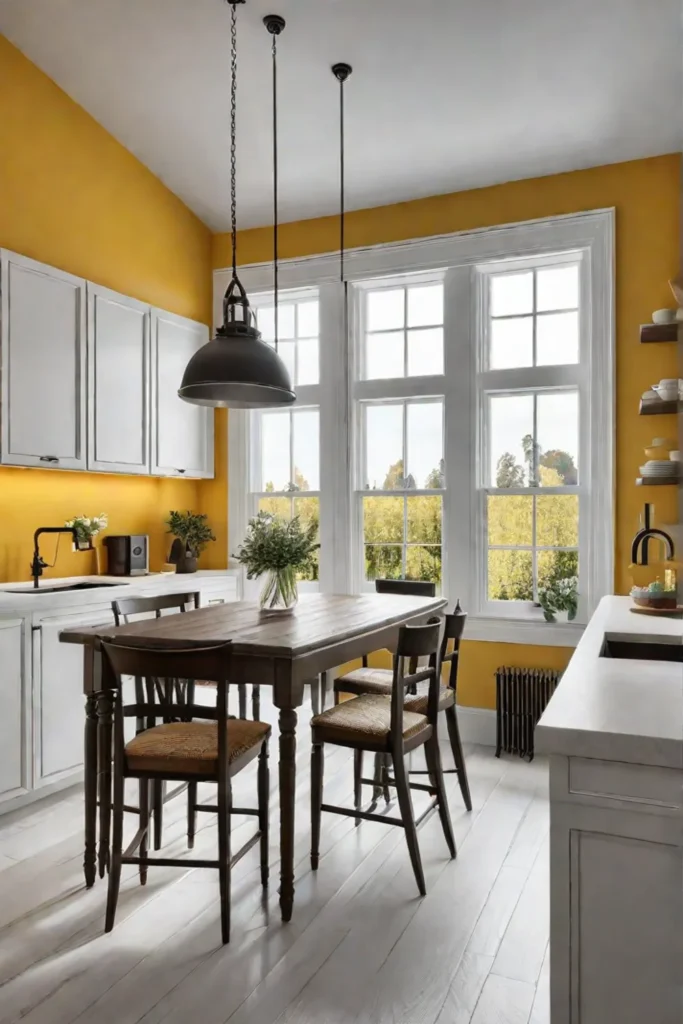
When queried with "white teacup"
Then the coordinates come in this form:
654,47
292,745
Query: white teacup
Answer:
664,316
667,389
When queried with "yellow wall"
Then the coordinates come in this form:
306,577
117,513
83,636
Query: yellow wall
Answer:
646,196
73,197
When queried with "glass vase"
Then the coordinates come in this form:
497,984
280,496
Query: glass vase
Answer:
279,593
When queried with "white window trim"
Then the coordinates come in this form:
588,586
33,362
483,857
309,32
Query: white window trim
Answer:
591,232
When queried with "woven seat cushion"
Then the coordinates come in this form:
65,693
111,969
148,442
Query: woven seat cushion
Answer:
378,680
366,719
191,747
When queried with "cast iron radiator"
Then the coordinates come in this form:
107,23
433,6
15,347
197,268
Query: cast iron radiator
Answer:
521,696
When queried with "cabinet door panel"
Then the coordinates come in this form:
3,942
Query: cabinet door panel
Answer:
43,359
118,373
182,443
12,767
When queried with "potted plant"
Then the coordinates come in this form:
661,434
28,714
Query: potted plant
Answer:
277,549
192,533
86,528
559,599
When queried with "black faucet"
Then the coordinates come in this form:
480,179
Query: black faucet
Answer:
641,539
39,563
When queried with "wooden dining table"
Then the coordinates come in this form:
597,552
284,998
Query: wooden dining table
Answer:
284,652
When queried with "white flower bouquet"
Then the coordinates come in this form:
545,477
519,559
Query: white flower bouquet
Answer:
86,528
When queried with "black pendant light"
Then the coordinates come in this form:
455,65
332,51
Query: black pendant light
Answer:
236,368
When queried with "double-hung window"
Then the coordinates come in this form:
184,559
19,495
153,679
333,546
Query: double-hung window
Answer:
398,391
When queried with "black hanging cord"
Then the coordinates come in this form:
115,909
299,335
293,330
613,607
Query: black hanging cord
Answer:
233,131
341,72
275,24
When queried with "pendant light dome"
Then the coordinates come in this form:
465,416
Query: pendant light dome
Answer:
236,368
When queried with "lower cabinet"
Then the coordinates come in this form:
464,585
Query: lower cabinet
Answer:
58,696
13,735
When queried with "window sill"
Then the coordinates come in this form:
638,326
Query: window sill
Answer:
529,630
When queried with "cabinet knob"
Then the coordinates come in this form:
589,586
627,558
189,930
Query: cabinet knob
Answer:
49,458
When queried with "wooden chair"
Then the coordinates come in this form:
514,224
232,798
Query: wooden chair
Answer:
379,680
183,750
382,725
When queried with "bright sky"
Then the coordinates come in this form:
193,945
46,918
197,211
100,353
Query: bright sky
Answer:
512,416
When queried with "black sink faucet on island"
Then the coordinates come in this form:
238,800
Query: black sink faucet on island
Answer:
39,563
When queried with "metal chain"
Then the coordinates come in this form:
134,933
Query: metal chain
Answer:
233,136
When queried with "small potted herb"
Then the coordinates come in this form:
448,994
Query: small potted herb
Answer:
559,599
192,533
277,549
86,528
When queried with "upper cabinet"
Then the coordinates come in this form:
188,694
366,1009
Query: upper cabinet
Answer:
182,434
89,378
42,364
118,379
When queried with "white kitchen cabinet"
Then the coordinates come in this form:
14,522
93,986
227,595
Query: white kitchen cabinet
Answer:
58,700
182,434
42,365
118,383
13,762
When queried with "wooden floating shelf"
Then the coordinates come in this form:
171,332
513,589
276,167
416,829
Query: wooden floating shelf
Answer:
658,481
658,332
658,408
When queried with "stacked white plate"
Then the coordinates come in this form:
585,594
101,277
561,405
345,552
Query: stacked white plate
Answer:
658,467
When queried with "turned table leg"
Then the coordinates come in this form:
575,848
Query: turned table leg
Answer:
90,787
288,720
105,707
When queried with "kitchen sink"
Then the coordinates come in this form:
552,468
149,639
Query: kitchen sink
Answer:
59,590
645,651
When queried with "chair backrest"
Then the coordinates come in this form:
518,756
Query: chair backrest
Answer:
415,642
128,606
165,673
415,588
454,627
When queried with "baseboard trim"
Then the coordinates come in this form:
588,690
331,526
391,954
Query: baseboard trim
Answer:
477,725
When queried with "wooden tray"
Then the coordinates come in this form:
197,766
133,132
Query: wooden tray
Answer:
671,613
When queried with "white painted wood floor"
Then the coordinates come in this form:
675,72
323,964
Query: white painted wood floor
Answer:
362,946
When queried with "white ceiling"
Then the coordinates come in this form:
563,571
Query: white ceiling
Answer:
446,94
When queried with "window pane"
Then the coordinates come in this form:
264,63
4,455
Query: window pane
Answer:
510,519
384,447
558,438
512,343
425,305
265,320
425,352
285,351
383,520
384,355
512,293
385,309
510,576
557,565
275,458
276,506
308,371
306,450
424,563
425,444
557,288
383,563
511,419
308,510
307,319
557,520
557,339
424,520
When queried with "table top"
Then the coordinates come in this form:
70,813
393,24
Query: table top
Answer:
319,620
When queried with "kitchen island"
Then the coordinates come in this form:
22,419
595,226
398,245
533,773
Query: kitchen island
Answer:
614,734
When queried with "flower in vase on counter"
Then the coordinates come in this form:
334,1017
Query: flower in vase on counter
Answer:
278,548
559,599
192,533
87,527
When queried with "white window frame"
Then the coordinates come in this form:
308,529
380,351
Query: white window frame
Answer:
457,256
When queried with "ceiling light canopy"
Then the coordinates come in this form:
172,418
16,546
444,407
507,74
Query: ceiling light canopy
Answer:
236,368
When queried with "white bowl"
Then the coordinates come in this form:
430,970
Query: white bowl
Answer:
668,393
663,316
675,456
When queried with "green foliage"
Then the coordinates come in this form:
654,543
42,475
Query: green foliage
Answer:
308,511
275,543
192,528
384,522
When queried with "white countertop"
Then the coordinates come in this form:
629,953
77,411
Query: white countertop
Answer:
29,603
618,709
